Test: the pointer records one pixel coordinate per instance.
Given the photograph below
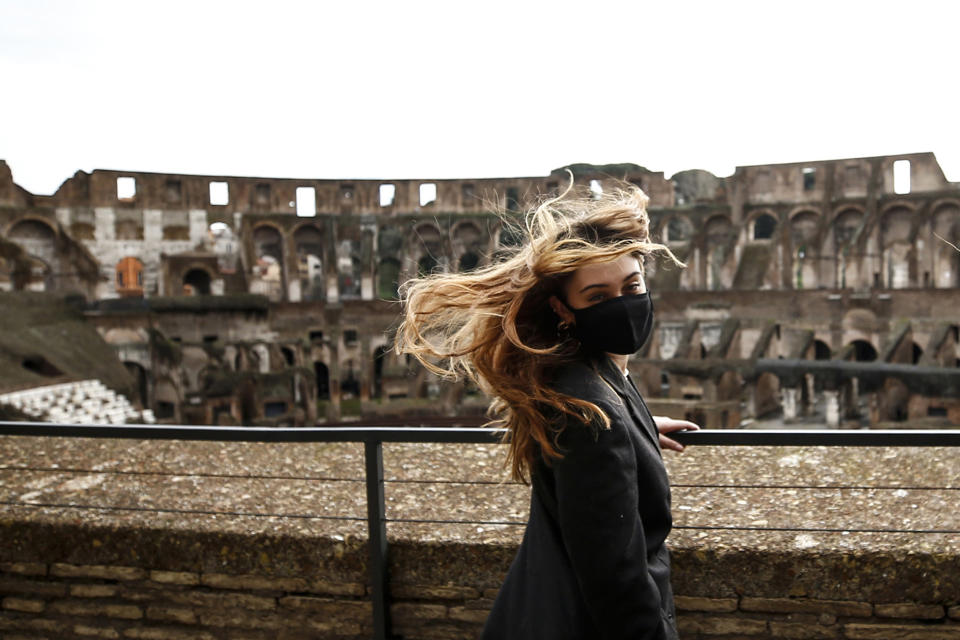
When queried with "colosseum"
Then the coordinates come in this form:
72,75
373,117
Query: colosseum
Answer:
823,292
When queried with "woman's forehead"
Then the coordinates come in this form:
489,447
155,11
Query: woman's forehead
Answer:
612,272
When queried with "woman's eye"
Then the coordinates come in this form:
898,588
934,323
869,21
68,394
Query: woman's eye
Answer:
633,286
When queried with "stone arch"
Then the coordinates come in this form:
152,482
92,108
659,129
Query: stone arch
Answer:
261,353
468,261
720,238
196,281
804,240
762,225
729,386
36,236
859,322
862,351
388,279
140,379
379,357
308,243
893,399
846,229
898,255
945,224
468,241
348,268
322,374
676,229
426,248
166,399
821,350
267,271
766,395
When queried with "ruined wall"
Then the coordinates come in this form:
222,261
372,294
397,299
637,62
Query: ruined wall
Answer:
845,250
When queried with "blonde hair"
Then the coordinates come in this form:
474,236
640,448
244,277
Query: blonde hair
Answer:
494,325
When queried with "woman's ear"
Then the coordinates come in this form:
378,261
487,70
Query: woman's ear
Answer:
561,310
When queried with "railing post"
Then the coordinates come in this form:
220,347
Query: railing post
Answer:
377,534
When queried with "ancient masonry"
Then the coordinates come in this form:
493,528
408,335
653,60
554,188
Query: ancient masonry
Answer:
825,290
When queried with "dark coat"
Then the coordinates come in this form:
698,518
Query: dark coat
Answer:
593,563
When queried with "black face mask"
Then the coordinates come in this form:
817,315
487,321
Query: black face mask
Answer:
618,325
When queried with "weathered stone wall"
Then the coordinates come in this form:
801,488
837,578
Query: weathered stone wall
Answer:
127,539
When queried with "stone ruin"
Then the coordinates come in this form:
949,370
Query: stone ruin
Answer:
234,300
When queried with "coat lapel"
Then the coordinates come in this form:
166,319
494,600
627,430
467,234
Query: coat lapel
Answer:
625,389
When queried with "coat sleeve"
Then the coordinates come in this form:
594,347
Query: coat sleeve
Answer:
597,493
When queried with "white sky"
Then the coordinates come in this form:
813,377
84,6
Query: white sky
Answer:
455,89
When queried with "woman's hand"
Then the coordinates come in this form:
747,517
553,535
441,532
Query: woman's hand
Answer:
669,425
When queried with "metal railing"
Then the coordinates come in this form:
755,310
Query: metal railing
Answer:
373,439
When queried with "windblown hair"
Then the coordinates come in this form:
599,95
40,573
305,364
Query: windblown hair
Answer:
494,325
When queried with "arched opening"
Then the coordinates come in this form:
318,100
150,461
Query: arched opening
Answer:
139,375
130,277
730,386
721,240
350,385
388,279
510,236
196,282
820,350
803,235
915,353
426,265
267,271
288,356
165,400
893,399
863,351
323,380
348,268
309,243
379,356
896,226
846,231
469,261
678,230
767,395
764,226
36,238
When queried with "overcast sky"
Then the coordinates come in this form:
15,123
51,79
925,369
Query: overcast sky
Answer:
469,89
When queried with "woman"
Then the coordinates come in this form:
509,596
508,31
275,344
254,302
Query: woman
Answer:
546,332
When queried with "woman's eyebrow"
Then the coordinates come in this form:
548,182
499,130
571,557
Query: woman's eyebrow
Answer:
603,284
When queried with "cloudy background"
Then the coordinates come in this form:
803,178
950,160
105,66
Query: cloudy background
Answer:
457,89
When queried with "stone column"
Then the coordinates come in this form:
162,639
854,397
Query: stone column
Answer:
366,367
788,398
833,408
810,405
751,400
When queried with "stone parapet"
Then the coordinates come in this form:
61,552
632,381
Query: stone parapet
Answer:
842,543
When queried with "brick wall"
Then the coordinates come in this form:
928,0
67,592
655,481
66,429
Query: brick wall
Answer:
60,600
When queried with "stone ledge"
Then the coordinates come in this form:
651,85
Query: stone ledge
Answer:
803,605
909,610
901,632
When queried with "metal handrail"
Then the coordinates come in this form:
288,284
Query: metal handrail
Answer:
374,437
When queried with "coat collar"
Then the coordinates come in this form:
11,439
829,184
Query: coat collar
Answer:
625,389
